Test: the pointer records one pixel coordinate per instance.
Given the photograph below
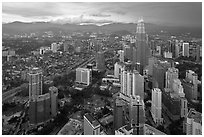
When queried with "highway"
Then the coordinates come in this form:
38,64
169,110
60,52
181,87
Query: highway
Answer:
12,92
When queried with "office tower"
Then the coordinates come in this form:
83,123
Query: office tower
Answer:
138,84
177,88
158,51
134,55
66,46
184,107
121,55
54,47
39,109
149,68
159,73
100,61
185,51
172,48
137,115
158,76
124,82
118,113
43,107
171,74
177,49
142,48
171,104
198,53
53,95
156,108
118,69
194,123
35,82
83,76
129,83
91,125
192,78
127,52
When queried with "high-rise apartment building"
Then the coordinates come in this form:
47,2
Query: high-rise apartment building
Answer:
35,82
185,51
91,125
132,83
156,108
83,76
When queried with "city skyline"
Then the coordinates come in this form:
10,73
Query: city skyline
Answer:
101,13
96,75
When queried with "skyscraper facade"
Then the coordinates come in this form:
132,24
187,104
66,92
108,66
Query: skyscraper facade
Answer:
156,108
91,125
171,74
119,113
185,50
100,61
121,55
35,82
192,78
43,107
83,76
194,123
141,48
127,52
132,83
137,115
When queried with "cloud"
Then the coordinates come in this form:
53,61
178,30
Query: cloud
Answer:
100,15
82,19
189,14
31,9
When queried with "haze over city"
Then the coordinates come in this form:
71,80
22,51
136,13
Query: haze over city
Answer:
100,13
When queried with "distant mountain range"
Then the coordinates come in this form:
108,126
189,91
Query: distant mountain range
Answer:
21,27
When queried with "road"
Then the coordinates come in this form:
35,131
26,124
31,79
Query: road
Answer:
12,92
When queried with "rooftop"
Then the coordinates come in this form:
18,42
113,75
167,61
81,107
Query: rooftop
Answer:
195,115
149,130
92,120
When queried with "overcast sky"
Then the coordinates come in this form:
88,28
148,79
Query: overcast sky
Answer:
173,14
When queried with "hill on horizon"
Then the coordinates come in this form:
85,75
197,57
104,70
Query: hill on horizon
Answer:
21,27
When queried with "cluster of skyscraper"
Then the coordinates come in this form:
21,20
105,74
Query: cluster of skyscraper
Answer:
129,109
177,48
